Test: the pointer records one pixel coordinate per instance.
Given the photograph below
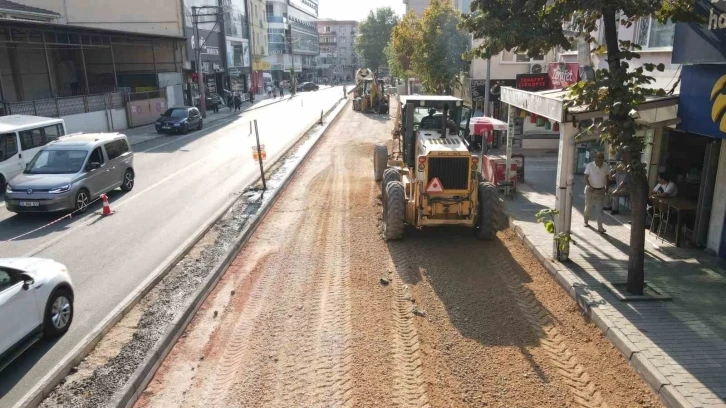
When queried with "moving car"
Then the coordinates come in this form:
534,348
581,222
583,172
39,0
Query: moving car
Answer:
21,136
36,301
179,120
71,172
307,86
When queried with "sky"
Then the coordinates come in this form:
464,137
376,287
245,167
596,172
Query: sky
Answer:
355,9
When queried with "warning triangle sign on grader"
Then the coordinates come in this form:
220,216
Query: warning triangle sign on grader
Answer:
435,186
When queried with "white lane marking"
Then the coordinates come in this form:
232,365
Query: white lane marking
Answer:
117,204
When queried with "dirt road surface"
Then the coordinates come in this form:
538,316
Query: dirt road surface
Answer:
305,318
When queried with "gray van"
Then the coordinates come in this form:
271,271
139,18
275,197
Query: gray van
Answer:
68,174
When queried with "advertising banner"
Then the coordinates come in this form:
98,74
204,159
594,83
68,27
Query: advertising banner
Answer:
563,74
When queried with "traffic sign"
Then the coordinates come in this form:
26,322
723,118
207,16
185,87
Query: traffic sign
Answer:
435,186
255,155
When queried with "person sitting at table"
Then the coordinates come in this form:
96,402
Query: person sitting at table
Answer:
664,189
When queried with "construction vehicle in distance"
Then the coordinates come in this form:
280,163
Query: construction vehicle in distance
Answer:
368,96
431,178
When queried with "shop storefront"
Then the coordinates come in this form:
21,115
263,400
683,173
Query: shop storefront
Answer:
696,154
212,62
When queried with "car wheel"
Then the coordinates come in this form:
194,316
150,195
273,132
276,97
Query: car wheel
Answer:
128,183
200,126
82,200
58,312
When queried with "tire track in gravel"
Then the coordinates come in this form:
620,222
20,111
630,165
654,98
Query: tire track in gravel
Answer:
408,378
238,348
333,352
583,390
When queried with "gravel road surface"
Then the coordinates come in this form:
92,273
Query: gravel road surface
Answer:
319,311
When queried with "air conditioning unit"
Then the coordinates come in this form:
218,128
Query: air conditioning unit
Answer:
536,69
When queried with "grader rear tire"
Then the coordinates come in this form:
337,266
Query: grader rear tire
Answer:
492,217
388,176
380,161
394,211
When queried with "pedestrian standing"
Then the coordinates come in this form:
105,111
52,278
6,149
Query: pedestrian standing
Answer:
215,106
230,101
269,91
596,183
345,92
237,102
274,93
622,187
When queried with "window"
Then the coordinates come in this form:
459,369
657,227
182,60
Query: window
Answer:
327,29
49,161
342,40
96,156
6,280
53,132
8,146
340,28
515,57
115,149
652,34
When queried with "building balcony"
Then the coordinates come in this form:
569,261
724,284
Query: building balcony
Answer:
275,19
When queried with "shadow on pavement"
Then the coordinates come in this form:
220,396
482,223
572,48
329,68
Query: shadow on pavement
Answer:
17,370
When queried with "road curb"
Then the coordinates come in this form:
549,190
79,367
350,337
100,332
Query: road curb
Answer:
46,385
136,385
577,289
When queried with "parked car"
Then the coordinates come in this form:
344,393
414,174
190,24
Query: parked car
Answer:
179,120
21,136
307,86
71,172
36,301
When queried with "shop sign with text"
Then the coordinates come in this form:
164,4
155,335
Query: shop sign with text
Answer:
533,82
703,42
563,74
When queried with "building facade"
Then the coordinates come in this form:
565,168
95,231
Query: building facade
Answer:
77,61
292,38
418,6
259,43
697,147
338,60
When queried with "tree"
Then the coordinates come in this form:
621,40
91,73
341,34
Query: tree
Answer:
537,27
402,45
373,36
431,48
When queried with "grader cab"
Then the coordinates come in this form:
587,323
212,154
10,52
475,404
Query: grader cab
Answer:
430,178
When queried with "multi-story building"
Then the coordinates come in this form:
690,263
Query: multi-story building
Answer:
75,58
293,38
259,43
338,60
238,64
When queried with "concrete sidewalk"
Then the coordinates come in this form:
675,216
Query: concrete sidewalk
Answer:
678,347
145,133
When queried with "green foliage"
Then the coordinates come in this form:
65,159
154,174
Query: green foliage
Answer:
430,48
547,217
374,34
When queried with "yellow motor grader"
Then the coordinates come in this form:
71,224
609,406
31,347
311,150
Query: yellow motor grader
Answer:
431,178
368,95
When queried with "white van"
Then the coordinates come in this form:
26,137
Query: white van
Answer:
21,136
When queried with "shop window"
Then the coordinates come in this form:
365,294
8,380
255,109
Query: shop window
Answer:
652,34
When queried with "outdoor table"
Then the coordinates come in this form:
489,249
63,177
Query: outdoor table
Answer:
679,205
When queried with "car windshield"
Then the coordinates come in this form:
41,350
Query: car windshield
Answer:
57,162
175,113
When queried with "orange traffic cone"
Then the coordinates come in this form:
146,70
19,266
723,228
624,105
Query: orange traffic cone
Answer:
106,207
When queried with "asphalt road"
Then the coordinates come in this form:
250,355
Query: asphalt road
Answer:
181,181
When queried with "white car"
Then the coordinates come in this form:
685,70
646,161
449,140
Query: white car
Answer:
36,300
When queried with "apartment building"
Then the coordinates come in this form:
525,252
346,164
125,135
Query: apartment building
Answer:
338,60
418,6
293,38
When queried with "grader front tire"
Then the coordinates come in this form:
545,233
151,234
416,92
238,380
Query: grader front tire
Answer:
394,211
492,217
380,161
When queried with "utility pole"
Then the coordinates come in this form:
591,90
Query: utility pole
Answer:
250,34
488,91
195,23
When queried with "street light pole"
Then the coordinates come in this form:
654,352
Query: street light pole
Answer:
198,51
